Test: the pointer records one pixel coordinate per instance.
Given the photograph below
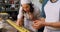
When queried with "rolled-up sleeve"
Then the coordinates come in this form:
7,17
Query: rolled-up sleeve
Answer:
39,14
20,13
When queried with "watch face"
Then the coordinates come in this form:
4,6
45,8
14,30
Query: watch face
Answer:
53,1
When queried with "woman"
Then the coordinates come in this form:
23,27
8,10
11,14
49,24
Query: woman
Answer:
52,21
27,14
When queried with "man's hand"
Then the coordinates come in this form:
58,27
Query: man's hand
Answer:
38,24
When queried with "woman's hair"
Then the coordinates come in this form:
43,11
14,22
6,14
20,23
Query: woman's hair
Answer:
31,8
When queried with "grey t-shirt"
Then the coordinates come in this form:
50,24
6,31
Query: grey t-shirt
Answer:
27,22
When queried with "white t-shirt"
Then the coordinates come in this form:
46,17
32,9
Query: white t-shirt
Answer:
52,11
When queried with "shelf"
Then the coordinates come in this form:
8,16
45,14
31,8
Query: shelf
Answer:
7,6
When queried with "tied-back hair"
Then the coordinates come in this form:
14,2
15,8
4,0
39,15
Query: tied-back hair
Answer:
31,8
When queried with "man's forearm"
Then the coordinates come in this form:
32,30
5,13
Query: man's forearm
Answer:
54,24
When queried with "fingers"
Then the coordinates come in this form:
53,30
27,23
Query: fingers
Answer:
37,24
17,23
36,21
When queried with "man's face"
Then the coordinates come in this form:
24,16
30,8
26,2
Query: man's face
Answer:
26,7
53,1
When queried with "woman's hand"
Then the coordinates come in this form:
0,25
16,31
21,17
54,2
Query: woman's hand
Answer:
38,24
19,23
